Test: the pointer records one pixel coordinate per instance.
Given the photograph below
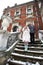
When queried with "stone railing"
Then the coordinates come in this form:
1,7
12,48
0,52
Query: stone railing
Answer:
8,40
41,35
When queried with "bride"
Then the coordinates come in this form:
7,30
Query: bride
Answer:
26,36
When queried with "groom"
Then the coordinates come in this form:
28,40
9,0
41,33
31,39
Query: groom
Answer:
32,32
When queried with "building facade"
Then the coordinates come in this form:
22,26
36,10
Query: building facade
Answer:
42,12
22,15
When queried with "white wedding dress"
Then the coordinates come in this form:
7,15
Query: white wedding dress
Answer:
26,35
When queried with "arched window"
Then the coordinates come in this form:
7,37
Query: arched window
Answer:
15,28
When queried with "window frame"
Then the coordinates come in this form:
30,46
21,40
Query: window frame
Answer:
15,14
30,13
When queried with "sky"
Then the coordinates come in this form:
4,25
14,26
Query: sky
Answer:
5,3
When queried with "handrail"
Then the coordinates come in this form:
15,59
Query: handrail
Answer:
11,39
11,47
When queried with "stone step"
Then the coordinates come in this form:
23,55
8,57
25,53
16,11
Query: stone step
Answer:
36,45
30,48
29,52
30,43
25,58
34,54
36,41
16,62
19,47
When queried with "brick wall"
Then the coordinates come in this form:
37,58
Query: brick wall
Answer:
23,15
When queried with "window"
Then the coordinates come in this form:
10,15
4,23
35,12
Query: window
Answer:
29,11
17,13
15,24
8,14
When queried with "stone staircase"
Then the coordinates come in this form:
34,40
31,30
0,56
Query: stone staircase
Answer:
21,57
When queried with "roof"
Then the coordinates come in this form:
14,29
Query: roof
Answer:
28,3
31,2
